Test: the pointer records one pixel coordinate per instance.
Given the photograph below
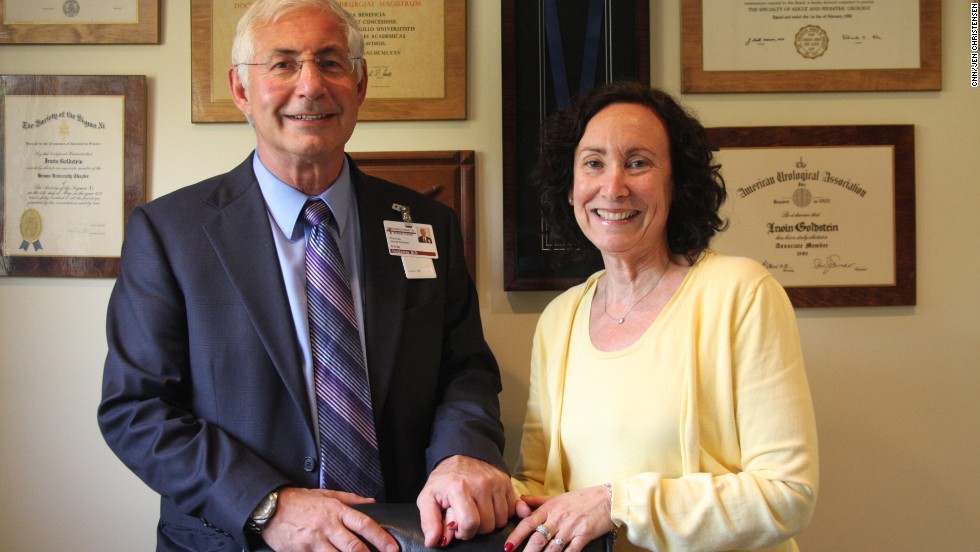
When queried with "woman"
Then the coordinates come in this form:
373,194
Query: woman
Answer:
668,396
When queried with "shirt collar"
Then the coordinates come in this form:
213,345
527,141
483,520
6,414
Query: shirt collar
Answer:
285,203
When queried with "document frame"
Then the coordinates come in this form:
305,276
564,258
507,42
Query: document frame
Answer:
898,137
146,30
206,108
531,263
133,187
694,79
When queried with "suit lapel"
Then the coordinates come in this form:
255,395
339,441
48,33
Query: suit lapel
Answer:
385,287
240,235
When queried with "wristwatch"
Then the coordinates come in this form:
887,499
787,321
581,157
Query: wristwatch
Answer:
263,512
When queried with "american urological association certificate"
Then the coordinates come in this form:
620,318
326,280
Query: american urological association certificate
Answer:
814,216
63,175
794,35
25,12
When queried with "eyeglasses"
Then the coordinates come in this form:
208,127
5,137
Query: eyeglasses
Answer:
285,69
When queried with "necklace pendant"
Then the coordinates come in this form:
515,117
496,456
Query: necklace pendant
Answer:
620,320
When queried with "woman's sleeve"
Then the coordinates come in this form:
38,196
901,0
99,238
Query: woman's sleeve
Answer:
763,491
529,473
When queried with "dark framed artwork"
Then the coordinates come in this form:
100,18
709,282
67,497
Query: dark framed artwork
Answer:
551,52
828,210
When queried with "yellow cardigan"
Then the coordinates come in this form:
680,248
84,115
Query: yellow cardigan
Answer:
747,431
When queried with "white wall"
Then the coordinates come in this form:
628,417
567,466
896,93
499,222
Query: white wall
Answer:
897,390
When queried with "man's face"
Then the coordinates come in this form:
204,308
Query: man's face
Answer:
307,118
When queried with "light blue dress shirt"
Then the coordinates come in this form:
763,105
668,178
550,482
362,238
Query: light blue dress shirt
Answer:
284,205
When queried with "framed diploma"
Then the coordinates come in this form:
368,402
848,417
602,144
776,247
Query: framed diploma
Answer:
415,54
830,211
79,22
74,157
551,52
811,46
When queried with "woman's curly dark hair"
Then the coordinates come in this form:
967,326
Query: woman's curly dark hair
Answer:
699,189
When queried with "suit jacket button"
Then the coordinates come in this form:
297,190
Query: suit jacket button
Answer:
309,463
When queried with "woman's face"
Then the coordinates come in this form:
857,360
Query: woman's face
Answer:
622,188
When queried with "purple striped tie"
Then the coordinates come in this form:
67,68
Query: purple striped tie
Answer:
349,458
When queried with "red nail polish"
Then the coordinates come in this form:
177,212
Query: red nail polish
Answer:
443,542
508,546
451,525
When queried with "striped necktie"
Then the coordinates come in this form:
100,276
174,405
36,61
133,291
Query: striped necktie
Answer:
349,458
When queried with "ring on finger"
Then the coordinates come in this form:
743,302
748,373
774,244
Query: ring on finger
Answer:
543,531
559,543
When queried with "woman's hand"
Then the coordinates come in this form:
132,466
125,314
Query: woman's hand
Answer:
565,522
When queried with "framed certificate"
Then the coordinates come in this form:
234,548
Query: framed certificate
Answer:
79,22
74,156
415,54
793,46
830,211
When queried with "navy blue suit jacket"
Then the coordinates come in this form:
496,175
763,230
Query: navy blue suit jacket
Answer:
203,393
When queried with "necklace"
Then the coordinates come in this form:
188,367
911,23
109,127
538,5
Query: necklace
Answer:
620,320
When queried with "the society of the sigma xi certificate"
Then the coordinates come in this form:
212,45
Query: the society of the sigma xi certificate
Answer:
63,176
814,216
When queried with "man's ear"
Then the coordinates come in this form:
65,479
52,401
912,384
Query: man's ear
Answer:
238,92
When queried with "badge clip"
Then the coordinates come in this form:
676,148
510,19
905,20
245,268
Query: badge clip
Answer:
405,211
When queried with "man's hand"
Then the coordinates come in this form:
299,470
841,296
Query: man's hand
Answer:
462,498
318,519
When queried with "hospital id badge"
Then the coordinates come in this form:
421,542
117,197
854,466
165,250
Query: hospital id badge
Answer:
416,244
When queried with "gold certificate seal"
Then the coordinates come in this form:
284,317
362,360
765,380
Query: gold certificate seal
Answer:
30,229
811,41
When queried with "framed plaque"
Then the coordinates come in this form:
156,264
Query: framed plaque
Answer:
415,54
79,22
74,157
792,46
830,211
551,52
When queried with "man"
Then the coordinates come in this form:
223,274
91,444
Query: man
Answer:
208,391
